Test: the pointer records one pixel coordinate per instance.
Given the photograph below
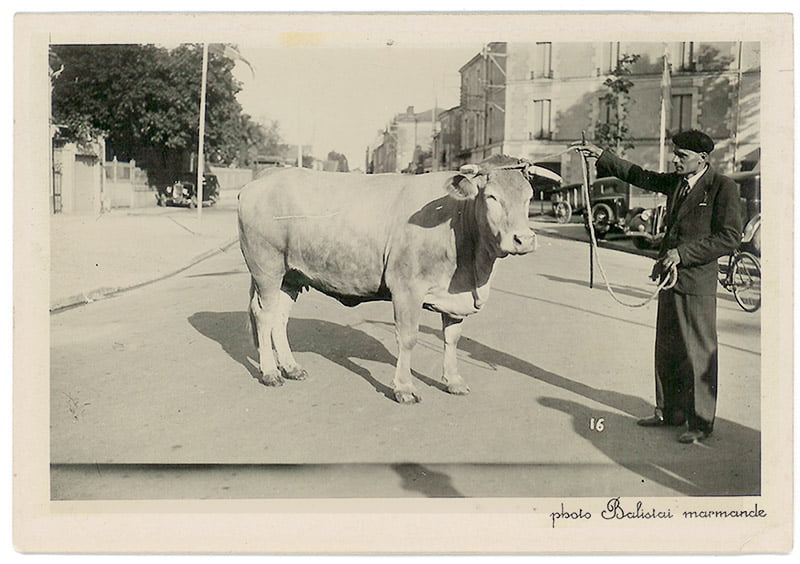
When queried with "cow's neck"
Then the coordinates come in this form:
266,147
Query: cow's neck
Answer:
482,254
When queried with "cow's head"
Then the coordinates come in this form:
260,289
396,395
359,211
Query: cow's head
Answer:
502,193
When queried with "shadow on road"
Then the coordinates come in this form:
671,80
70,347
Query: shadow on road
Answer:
727,463
418,478
338,343
633,405
631,291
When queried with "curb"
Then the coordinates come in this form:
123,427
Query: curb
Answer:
97,294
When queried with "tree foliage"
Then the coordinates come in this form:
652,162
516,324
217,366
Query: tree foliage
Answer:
145,100
341,159
612,130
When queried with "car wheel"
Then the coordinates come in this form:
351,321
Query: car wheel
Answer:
563,212
601,219
642,243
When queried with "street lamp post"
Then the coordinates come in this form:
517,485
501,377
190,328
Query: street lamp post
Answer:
202,133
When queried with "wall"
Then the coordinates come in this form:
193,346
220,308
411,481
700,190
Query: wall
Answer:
232,178
81,180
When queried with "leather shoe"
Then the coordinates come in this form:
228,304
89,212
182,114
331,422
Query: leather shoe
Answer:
693,435
654,421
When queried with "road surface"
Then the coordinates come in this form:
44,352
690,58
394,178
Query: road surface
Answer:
154,394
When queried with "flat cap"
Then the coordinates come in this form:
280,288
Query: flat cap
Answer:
693,140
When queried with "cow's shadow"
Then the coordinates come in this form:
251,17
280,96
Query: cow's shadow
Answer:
340,344
494,358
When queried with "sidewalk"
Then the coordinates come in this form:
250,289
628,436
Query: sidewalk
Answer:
97,256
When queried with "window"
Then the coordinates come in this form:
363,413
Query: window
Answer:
541,120
685,57
608,112
542,60
681,113
613,57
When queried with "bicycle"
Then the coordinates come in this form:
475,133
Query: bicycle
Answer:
741,273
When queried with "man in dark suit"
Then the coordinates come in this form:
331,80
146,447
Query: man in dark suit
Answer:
703,223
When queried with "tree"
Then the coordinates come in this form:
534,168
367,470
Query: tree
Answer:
258,139
341,159
612,130
145,99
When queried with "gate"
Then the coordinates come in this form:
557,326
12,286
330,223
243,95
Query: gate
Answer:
57,206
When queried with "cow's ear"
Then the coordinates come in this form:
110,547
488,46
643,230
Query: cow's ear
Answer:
463,186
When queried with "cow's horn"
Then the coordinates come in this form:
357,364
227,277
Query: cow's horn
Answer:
534,170
469,169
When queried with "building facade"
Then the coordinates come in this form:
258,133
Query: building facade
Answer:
447,140
405,144
483,101
555,94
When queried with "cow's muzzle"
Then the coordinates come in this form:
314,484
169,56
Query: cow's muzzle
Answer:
521,242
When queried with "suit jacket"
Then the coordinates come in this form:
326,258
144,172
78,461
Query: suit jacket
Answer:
704,227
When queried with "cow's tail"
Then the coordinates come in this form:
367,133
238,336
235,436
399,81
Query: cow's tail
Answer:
254,303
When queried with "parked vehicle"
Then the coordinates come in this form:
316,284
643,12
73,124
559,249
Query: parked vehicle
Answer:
646,227
262,162
609,204
183,191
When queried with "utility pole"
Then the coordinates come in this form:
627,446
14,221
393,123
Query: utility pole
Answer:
202,133
485,99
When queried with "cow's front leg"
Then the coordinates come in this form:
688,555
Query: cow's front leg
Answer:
406,320
452,327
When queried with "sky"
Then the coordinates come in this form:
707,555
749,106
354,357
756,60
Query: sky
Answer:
337,98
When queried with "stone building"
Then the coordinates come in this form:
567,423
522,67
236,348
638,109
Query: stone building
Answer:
483,100
402,142
554,93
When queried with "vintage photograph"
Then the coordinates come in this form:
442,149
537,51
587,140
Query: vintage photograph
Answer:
368,271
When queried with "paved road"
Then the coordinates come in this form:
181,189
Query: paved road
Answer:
153,394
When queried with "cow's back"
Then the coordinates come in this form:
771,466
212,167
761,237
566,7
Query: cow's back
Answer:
334,229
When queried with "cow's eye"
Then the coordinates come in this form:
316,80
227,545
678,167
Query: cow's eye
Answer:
491,197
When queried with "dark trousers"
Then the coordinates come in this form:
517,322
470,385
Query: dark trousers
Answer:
686,358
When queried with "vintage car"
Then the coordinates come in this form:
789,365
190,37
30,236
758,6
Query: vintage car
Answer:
609,204
183,191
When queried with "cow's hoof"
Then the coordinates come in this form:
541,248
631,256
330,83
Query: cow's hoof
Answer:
272,379
407,397
295,373
458,389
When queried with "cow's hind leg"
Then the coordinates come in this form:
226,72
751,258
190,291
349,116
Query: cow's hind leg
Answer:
406,319
283,353
451,327
264,296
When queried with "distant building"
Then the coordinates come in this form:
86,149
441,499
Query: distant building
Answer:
447,140
483,100
400,145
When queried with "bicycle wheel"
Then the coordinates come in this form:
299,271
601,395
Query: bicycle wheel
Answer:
747,281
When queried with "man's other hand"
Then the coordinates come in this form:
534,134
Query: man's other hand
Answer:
587,149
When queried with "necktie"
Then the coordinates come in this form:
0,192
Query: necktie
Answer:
683,191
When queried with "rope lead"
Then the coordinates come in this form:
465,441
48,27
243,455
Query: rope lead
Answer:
667,282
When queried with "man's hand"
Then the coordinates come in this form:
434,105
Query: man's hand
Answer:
663,265
671,259
587,149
